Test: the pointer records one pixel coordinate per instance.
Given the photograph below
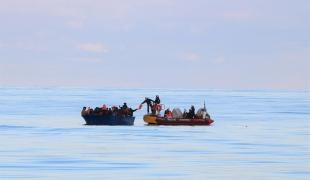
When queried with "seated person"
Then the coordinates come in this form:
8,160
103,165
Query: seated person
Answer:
83,111
131,111
168,113
191,112
124,106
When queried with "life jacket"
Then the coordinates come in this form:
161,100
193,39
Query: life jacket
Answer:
158,107
169,114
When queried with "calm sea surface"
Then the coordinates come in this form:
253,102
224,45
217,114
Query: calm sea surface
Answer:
256,135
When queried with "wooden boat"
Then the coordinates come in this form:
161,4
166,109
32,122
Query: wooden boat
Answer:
108,119
159,120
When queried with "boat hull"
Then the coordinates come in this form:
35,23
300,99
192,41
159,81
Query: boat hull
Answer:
111,120
150,119
155,120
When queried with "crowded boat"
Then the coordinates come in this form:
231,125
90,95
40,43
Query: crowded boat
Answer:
123,115
176,116
105,110
105,115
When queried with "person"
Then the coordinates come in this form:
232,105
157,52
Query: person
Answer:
123,110
191,112
149,102
110,111
124,106
104,107
83,111
184,113
114,109
90,111
153,109
168,113
97,110
131,111
87,111
157,106
157,100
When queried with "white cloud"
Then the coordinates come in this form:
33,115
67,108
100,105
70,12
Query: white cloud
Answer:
191,56
219,60
93,47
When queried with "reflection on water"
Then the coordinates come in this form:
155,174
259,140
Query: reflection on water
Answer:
257,134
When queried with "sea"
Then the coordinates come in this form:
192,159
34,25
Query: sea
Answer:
257,134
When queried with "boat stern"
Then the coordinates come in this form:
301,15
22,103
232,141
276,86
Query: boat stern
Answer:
150,119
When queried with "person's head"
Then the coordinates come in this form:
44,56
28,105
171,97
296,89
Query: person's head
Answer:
84,107
125,103
157,96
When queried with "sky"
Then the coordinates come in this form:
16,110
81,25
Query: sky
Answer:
190,44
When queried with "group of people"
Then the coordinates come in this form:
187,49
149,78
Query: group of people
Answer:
154,105
105,110
190,114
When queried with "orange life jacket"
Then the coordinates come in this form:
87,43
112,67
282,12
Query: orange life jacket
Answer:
169,114
158,107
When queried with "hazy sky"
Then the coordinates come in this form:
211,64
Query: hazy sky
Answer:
230,44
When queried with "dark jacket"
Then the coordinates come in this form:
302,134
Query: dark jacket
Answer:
157,100
147,101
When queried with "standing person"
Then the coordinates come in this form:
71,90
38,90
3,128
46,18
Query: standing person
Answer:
124,106
157,100
149,102
157,105
131,111
191,112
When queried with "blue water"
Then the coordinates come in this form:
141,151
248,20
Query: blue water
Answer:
256,135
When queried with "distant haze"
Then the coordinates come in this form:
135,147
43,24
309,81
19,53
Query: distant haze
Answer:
225,44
